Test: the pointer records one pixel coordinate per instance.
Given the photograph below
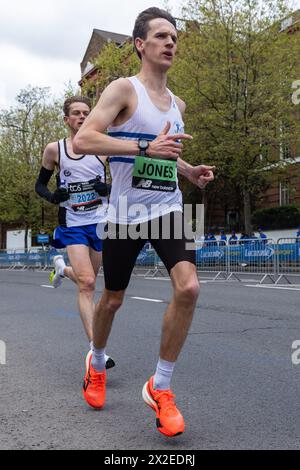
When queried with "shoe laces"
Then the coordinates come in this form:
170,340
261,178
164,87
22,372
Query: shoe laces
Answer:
165,400
97,379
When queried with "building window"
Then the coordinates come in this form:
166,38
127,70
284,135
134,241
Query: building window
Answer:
264,153
284,194
285,147
285,152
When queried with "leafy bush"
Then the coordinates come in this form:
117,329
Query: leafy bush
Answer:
275,218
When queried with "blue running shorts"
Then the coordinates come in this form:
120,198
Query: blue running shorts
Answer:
84,235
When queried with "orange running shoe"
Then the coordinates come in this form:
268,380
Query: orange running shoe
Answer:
94,385
169,420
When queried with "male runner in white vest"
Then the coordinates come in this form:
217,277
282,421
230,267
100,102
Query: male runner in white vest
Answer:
144,122
82,195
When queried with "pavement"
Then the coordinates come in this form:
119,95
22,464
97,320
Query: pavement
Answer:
235,381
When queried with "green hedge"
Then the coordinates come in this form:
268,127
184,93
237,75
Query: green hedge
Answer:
276,218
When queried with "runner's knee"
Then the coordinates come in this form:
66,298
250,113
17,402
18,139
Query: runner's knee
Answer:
188,290
87,283
114,304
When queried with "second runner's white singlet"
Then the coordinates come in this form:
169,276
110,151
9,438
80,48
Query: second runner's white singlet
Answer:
85,206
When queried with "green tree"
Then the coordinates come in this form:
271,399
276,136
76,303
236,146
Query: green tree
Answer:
25,130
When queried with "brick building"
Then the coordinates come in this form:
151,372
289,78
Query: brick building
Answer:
98,40
286,189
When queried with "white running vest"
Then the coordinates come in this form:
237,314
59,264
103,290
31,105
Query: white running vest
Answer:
85,206
146,123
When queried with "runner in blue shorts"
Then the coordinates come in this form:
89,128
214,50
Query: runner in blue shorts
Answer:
82,196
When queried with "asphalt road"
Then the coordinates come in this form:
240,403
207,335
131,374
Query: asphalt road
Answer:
235,382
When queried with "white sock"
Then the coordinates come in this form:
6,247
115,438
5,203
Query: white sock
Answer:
98,359
91,348
163,375
60,266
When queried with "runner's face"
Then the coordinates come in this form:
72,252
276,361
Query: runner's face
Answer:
160,45
77,115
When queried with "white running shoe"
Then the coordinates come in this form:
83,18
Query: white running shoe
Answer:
55,276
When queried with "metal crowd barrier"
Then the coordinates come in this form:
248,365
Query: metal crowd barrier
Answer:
261,257
233,258
287,258
224,260
35,258
211,256
6,259
264,258
252,256
157,267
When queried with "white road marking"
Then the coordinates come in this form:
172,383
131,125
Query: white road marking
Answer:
168,279
148,300
49,287
272,287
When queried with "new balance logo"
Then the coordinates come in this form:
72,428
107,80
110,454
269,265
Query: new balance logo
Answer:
144,184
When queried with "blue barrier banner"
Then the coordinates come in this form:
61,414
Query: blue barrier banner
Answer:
6,259
145,258
37,258
257,253
288,252
21,258
210,254
251,252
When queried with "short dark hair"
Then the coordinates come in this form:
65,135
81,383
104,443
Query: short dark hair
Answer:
141,26
75,99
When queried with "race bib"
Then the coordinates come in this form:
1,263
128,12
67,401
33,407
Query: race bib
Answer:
154,174
83,197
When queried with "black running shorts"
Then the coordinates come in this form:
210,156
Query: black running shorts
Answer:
119,255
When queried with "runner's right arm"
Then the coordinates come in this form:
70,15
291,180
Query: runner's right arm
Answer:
92,140
50,160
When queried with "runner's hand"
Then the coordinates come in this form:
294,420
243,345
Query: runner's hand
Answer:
201,175
167,146
60,195
101,188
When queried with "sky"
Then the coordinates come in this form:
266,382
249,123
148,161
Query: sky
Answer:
42,42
